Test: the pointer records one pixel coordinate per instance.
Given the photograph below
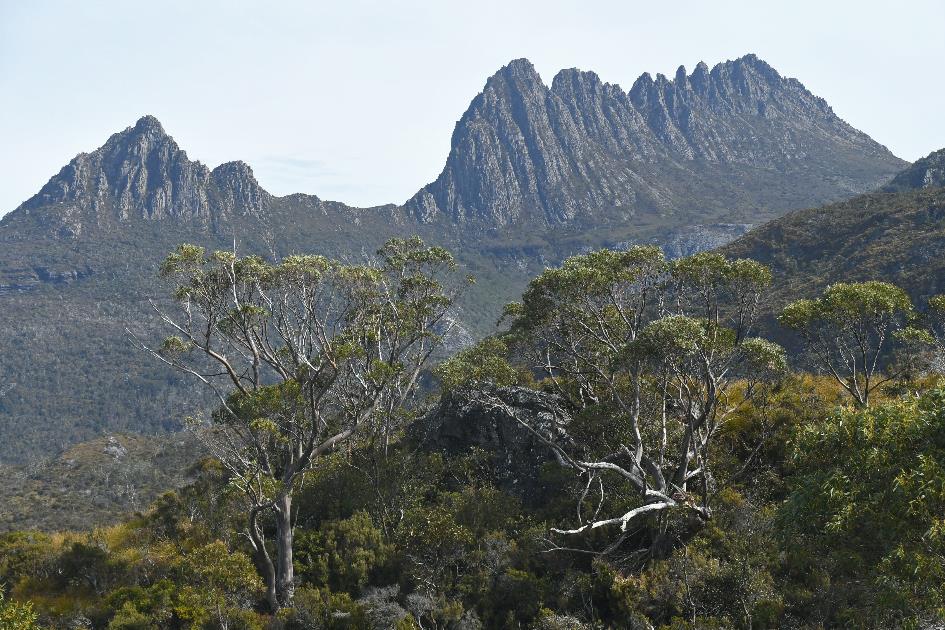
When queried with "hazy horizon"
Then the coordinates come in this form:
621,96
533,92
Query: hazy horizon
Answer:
358,103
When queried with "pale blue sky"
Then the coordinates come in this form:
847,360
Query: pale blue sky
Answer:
355,101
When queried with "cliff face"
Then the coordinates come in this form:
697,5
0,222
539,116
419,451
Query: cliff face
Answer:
582,149
142,173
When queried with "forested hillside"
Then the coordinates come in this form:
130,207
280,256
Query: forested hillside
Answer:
604,372
896,235
625,453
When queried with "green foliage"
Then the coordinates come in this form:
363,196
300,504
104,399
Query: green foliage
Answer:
315,352
848,331
820,517
937,305
709,271
16,616
849,304
590,285
219,585
763,355
867,509
129,618
342,555
647,352
487,361
678,336
321,608
464,550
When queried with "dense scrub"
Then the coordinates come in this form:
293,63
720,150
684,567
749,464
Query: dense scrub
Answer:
835,522
808,507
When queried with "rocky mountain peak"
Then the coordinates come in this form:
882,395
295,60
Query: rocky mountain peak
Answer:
699,79
733,84
928,172
236,170
519,70
149,124
141,173
145,140
236,189
517,79
584,149
574,80
751,60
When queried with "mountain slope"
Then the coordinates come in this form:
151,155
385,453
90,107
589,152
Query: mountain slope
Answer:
96,483
896,236
738,138
534,174
929,172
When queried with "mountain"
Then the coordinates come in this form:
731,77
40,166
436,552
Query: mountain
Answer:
736,139
929,172
896,235
142,171
535,173
95,483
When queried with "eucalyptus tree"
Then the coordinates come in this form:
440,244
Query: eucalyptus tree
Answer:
664,350
848,330
302,355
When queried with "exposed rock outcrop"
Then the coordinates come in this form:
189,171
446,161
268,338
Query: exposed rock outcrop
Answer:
692,239
468,419
142,173
929,172
582,149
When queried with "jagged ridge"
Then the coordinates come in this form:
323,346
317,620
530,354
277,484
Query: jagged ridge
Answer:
535,174
142,173
583,148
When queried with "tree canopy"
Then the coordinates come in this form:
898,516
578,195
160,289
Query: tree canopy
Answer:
303,355
849,328
626,451
657,346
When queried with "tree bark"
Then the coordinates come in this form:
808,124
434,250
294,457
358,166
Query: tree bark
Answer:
285,572
263,560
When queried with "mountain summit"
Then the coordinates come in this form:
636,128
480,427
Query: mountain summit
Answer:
535,173
142,173
734,144
582,149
